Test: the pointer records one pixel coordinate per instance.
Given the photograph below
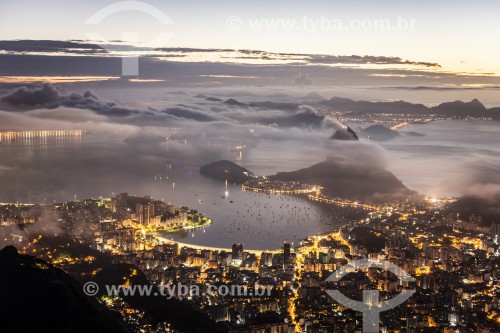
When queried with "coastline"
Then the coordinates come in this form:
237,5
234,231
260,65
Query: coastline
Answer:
187,228
164,240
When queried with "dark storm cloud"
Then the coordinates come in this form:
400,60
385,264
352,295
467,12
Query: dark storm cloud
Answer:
33,96
48,96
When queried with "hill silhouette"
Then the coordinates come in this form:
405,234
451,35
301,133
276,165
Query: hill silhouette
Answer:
224,169
468,205
159,307
354,182
456,109
37,297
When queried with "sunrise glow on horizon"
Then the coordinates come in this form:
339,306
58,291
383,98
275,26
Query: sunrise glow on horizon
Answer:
454,36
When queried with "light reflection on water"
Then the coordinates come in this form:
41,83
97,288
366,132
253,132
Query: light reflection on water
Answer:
260,221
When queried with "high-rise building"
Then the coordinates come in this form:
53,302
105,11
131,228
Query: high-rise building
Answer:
144,213
125,239
266,259
107,225
286,250
148,212
495,232
119,202
139,213
108,232
170,209
237,251
183,215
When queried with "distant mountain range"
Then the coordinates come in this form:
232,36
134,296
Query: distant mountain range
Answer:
456,109
460,109
353,182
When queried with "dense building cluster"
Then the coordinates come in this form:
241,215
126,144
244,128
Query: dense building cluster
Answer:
452,262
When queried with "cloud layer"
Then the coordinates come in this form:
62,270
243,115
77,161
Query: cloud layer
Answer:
139,139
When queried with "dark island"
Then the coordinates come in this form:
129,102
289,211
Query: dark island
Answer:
226,170
379,133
